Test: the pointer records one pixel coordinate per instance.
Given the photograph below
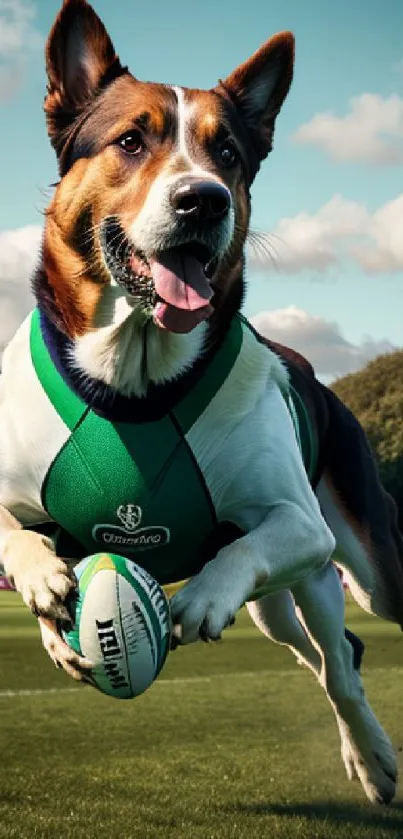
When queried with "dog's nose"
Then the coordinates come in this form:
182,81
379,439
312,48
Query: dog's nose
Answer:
201,200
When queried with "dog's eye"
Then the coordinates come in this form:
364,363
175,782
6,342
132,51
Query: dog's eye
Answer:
228,154
131,142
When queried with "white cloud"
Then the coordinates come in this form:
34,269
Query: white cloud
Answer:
340,229
18,39
19,251
371,132
319,340
383,250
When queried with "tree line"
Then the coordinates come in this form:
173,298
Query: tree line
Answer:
375,395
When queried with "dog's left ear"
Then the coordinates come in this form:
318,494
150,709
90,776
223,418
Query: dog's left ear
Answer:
259,86
80,61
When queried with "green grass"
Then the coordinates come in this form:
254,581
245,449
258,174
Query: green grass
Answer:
233,740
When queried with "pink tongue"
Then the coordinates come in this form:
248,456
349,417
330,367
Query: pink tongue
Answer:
180,281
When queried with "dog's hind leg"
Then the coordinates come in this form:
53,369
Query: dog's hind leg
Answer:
366,749
368,548
275,616
362,516
310,621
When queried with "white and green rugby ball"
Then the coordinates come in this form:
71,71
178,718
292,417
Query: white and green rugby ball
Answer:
122,624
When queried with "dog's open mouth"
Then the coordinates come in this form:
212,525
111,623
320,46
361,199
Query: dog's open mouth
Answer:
174,285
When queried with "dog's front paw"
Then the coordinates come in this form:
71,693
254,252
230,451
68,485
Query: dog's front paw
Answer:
207,604
61,654
43,580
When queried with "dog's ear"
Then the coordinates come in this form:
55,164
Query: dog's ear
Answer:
80,61
259,86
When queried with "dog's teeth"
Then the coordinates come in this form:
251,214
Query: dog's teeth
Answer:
136,285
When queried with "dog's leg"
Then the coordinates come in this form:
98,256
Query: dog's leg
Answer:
258,482
44,581
275,616
366,750
362,516
30,562
368,552
290,543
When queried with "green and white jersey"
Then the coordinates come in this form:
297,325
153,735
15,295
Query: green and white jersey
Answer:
151,491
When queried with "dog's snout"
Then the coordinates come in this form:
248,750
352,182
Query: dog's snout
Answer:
201,200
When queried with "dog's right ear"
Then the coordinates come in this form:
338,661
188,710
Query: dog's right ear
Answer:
80,62
259,86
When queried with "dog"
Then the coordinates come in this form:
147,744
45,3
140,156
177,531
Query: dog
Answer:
140,410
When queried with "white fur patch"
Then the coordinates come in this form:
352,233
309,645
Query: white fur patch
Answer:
184,111
130,354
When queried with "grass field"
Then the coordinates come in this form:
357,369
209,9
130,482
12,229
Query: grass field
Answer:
234,740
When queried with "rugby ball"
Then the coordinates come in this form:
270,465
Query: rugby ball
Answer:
122,624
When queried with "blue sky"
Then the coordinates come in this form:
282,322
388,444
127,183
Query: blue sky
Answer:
343,50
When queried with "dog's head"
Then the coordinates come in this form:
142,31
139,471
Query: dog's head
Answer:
150,216
154,194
